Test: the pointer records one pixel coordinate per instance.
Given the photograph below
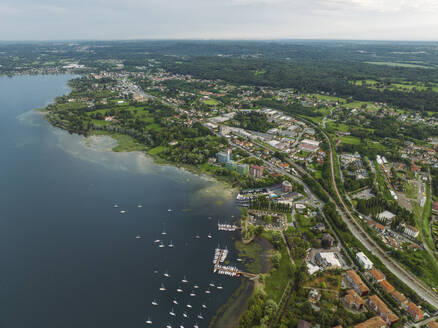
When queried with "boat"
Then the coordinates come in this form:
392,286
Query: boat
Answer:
164,232
179,290
192,294
161,245
197,237
172,313
196,286
211,284
139,206
155,271
122,212
219,287
239,260
157,241
175,301
166,274
200,316
195,325
168,325
204,306
138,237
171,244
154,303
181,326
162,288
185,315
115,205
207,291
189,306
149,321
169,210
185,280
209,236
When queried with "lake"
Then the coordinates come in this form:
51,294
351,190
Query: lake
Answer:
69,258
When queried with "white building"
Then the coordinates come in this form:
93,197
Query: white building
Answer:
411,231
364,261
386,215
328,259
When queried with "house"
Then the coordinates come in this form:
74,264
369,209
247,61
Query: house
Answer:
432,324
401,299
378,306
256,171
376,275
415,312
328,260
327,240
364,261
353,300
386,286
375,322
411,231
356,282
304,324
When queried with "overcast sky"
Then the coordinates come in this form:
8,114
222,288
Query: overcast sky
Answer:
213,19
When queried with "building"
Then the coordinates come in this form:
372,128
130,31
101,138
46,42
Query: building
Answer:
386,286
386,216
411,231
415,312
286,186
224,156
375,322
242,169
364,261
256,171
353,300
327,260
401,299
356,282
376,275
378,306
304,324
328,240
432,324
230,165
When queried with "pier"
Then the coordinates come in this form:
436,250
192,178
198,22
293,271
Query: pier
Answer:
219,257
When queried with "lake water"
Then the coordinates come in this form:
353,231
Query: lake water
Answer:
68,258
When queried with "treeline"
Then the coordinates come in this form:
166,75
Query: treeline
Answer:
263,203
254,121
306,77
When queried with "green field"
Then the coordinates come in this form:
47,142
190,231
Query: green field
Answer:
210,102
350,140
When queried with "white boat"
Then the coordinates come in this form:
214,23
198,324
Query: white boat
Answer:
155,271
185,280
204,306
200,316
172,313
166,274
189,306
210,236
168,325
154,303
207,291
169,210
162,288
219,287
161,245
171,244
239,260
181,326
115,205
179,290
197,237
157,241
122,212
139,206
185,315
196,286
211,284
164,232
192,294
149,321
195,325
138,237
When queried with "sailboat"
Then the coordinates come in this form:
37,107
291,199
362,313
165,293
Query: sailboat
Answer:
196,286
195,325
138,237
164,232
115,205
211,284
139,206
179,290
175,302
210,236
122,212
168,325
154,303
189,306
171,244
192,294
157,241
207,291
185,315
204,306
161,245
166,274
219,287
149,321
162,288
185,280
200,316
172,313
169,210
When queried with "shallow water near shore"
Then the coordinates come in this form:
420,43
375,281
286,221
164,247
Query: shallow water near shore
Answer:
69,257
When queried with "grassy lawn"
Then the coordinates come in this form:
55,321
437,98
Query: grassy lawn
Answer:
157,150
210,102
338,127
350,140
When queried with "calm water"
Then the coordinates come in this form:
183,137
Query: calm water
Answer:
68,258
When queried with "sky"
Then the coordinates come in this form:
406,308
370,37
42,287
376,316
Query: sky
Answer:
218,19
